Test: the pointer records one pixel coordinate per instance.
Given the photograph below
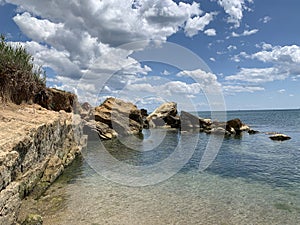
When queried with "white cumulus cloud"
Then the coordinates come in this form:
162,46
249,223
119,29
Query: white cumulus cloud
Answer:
210,32
234,8
284,60
198,23
85,39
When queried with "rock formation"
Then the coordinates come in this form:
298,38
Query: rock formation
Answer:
234,126
116,117
35,147
190,121
279,137
165,114
54,99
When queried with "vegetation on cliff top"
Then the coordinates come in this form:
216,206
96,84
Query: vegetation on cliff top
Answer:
20,79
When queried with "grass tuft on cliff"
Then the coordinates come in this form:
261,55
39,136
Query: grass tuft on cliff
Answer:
20,79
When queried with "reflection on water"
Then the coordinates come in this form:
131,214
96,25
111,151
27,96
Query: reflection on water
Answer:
253,180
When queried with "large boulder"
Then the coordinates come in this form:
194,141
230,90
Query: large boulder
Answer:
117,117
234,126
166,114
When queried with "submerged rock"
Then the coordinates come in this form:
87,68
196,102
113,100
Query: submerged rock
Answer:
253,131
219,131
280,137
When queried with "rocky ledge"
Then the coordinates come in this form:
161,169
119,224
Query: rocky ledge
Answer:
35,146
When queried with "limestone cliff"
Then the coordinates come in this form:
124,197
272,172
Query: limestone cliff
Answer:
35,146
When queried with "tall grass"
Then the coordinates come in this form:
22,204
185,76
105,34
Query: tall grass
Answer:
20,80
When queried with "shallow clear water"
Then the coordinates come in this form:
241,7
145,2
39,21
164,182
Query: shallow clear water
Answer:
253,180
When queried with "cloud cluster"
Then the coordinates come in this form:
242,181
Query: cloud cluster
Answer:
84,41
198,23
85,37
201,82
281,55
231,89
259,75
285,61
234,8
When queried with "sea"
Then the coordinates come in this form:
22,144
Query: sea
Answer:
166,176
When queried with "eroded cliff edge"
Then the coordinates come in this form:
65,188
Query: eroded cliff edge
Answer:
35,146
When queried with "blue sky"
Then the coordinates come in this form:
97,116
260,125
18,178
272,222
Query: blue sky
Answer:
250,49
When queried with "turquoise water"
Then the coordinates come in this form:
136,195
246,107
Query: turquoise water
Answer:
252,179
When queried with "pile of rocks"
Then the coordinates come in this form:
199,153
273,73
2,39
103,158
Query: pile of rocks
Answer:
115,117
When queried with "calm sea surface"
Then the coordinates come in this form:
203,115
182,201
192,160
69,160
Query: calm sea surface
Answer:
252,180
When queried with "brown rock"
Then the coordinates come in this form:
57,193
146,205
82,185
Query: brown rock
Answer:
54,99
234,125
190,121
166,114
115,116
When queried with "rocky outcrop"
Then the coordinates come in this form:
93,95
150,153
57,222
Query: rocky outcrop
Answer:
189,121
166,114
35,147
54,99
279,137
234,126
116,117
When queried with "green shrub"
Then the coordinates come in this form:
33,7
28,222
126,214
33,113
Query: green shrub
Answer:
20,80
